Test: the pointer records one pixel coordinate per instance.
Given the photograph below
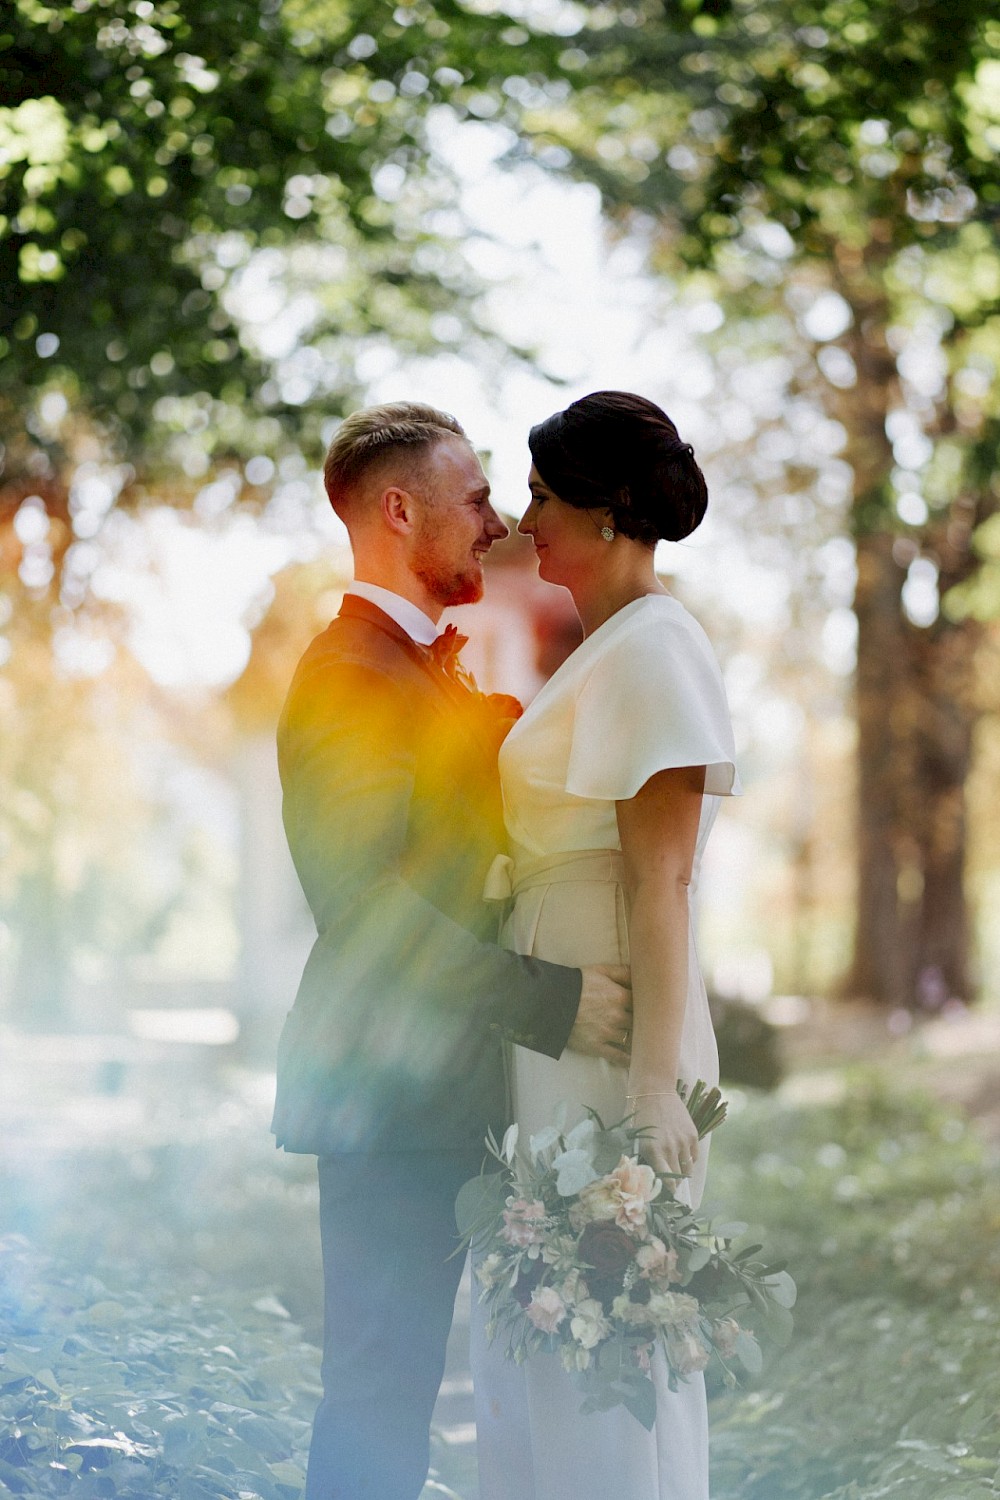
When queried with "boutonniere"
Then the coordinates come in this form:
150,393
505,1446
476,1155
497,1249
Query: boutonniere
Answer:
503,711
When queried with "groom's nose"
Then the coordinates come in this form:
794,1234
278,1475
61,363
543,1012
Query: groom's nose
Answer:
495,528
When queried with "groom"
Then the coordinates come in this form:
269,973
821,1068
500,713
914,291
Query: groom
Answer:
390,1064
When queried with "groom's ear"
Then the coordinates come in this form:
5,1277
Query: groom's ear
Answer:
399,510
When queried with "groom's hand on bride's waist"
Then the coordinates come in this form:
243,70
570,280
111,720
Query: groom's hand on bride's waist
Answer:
603,1026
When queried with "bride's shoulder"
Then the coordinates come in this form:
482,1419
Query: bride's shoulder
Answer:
659,622
658,647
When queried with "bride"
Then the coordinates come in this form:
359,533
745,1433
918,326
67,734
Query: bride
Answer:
611,782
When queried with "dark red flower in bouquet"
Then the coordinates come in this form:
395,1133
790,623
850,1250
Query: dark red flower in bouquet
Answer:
610,1251
607,1248
528,1278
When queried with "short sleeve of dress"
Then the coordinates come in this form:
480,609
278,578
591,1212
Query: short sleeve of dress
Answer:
655,700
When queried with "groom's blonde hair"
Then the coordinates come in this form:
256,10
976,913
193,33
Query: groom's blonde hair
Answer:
398,434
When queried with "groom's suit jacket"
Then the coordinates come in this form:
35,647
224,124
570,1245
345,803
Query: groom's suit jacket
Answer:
392,808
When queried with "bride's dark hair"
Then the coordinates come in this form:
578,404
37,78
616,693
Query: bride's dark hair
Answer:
618,452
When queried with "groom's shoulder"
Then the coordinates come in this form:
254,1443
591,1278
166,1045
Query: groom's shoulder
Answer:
358,641
352,647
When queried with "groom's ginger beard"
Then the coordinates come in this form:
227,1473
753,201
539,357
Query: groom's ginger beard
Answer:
447,580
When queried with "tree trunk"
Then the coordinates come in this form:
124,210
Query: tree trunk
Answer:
889,865
945,659
915,716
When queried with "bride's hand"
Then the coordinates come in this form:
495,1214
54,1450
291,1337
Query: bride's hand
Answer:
670,1143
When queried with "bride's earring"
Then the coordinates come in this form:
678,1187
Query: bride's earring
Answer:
608,533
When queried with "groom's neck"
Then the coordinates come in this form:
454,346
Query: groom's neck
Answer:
391,574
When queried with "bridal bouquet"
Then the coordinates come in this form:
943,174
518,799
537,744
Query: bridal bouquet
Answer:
582,1251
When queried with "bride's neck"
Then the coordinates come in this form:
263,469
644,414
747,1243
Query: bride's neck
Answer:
622,581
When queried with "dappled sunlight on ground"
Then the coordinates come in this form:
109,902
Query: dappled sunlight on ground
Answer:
146,1162
141,1176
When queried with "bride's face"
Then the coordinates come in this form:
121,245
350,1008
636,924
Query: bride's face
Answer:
567,540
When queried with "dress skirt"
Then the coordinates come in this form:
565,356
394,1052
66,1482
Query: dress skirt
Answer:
533,1442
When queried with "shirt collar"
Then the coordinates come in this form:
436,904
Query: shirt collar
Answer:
418,626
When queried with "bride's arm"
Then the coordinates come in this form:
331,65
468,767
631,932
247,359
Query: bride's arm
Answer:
659,831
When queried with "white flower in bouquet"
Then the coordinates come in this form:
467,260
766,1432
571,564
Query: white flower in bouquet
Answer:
490,1270
687,1352
559,1252
673,1309
589,1326
573,1288
631,1314
725,1332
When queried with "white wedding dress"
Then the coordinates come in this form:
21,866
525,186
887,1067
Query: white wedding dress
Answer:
641,694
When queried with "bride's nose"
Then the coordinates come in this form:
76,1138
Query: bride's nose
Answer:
526,525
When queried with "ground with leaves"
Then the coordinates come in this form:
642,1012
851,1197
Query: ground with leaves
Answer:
155,1298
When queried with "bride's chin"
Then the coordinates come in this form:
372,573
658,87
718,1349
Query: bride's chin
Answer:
544,569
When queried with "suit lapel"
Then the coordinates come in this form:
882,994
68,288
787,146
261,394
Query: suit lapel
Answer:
355,607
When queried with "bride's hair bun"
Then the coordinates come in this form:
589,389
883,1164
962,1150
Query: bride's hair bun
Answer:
619,452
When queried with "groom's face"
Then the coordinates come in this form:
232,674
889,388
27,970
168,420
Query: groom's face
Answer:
457,525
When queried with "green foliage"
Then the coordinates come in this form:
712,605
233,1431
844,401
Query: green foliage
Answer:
890,1387
792,147
150,153
141,1390
859,123
145,1319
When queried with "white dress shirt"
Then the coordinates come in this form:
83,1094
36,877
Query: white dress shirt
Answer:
418,626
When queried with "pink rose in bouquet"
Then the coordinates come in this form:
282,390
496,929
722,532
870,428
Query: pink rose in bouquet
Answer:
636,1185
546,1309
725,1332
656,1262
623,1195
523,1223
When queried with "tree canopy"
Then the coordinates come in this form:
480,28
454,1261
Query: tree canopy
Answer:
163,165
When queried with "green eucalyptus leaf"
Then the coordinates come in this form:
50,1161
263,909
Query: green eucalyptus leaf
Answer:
748,1352
781,1289
730,1231
478,1202
640,1399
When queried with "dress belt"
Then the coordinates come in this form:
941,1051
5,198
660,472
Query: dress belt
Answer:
505,879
